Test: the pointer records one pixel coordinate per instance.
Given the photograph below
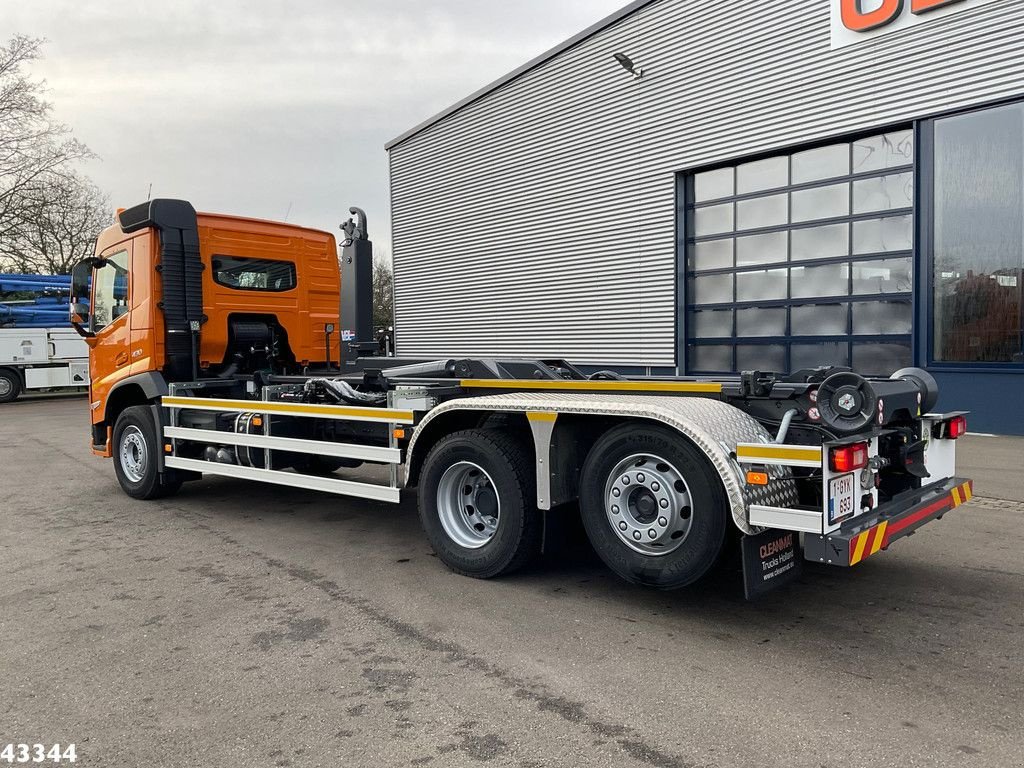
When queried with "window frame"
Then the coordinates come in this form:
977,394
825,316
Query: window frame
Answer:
926,240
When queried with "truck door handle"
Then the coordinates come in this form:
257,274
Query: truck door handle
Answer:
121,359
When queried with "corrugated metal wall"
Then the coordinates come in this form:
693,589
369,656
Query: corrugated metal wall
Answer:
540,219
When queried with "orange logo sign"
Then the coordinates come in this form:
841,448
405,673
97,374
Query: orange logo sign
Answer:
854,21
857,18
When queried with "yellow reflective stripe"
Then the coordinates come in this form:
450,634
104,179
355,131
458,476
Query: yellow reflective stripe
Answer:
295,409
704,387
541,416
968,492
768,453
956,497
879,536
858,552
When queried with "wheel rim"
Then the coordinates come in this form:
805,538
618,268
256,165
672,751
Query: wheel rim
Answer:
6,387
648,504
468,505
134,455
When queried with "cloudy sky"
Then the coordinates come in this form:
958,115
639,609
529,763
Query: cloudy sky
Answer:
273,108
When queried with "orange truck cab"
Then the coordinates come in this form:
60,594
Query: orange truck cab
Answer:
172,294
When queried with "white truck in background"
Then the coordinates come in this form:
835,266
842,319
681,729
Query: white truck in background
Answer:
41,358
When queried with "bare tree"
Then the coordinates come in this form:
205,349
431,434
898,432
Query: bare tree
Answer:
36,151
58,220
383,291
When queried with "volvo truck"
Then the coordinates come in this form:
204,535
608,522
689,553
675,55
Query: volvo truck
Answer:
223,346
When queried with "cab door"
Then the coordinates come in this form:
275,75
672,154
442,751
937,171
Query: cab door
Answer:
110,320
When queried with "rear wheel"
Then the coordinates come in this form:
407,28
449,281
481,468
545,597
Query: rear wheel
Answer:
653,506
477,503
10,385
136,450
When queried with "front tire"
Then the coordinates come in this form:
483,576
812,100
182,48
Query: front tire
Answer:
653,506
136,449
477,503
10,385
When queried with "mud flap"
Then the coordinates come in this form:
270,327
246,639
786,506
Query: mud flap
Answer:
770,560
160,421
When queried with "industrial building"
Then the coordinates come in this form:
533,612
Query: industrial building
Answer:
698,187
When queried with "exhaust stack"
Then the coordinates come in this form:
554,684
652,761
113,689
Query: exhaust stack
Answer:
357,337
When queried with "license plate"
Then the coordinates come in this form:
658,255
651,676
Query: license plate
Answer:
842,498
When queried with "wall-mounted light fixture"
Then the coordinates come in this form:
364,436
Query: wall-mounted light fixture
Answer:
628,65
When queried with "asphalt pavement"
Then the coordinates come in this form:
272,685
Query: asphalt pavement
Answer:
247,625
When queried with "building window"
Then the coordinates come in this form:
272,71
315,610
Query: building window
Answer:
248,274
978,237
803,259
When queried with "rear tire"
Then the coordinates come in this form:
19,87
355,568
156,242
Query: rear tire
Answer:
653,506
477,503
10,385
136,449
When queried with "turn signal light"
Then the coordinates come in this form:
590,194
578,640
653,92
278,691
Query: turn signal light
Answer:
757,478
950,429
849,458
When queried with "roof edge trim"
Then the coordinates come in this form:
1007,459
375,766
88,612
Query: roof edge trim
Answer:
573,41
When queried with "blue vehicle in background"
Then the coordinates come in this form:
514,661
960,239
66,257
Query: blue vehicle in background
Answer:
39,349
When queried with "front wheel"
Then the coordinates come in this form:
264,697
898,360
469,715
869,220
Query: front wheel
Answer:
477,503
10,385
653,506
135,456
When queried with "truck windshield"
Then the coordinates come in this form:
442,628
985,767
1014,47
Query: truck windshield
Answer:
249,274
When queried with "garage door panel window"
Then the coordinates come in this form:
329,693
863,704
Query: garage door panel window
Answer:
819,203
713,254
823,163
713,323
887,150
714,220
714,185
883,193
829,241
761,175
820,319
773,243
769,248
816,355
883,235
761,212
758,321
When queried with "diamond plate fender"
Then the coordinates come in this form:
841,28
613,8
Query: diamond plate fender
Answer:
713,426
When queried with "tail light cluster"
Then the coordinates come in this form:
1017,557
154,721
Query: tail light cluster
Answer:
950,429
849,458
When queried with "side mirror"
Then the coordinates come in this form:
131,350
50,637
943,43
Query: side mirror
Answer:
81,277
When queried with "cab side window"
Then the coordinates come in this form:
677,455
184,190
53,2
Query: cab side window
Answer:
110,291
250,274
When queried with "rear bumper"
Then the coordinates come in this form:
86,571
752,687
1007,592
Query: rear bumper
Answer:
869,534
